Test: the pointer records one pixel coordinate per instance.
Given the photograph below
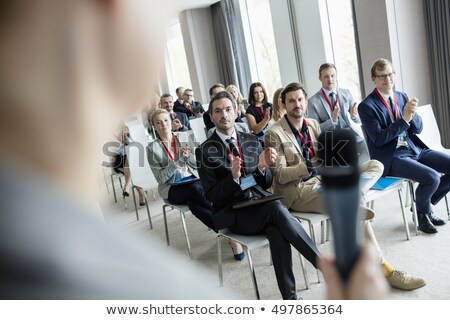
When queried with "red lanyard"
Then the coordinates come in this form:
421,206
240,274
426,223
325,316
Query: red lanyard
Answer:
388,107
261,112
174,146
329,102
309,142
174,115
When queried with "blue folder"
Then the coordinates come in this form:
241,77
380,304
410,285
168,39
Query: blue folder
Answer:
187,180
384,183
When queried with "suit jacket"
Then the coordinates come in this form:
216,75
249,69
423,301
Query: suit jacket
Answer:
290,165
319,109
215,174
196,107
184,121
381,133
164,169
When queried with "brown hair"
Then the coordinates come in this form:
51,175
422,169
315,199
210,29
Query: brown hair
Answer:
294,86
326,66
380,64
251,98
221,95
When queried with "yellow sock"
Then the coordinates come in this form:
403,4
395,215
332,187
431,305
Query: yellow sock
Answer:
388,269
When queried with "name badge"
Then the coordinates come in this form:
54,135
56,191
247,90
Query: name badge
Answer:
247,182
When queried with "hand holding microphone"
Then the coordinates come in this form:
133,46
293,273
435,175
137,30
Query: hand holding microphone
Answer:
341,195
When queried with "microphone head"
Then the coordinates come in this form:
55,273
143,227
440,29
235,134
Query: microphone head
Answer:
338,159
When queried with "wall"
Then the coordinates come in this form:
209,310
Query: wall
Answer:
196,27
395,29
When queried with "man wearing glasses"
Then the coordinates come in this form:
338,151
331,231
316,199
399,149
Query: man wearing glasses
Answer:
390,121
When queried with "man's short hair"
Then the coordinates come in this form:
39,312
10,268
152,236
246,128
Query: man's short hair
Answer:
165,95
380,64
294,86
326,66
179,89
217,85
221,95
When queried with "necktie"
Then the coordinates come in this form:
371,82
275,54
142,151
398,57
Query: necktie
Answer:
172,117
391,104
332,100
232,146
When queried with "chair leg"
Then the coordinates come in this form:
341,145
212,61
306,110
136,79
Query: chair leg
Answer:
446,205
165,223
134,201
413,206
183,220
252,272
114,188
148,211
305,276
313,237
106,180
219,260
405,221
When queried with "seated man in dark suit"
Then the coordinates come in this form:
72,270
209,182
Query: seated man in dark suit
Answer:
391,123
193,109
180,98
180,122
233,167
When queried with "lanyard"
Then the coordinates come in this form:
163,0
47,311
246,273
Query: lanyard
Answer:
306,144
388,107
329,102
174,146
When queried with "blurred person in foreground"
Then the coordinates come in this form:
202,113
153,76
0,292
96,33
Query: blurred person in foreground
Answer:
69,70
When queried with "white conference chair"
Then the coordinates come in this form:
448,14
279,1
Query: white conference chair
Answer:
248,243
198,126
141,174
183,209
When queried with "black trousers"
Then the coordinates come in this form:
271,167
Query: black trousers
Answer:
282,230
194,197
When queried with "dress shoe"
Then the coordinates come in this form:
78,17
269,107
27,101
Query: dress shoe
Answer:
125,194
425,224
142,204
436,220
239,256
403,281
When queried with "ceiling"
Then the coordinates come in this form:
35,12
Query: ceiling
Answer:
182,5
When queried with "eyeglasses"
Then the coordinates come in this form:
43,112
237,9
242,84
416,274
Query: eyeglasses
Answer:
384,76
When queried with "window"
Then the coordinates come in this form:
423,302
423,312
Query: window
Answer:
343,46
264,53
177,66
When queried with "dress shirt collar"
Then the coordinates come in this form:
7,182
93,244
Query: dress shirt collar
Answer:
330,91
386,96
223,137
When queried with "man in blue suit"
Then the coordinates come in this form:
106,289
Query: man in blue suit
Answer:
391,123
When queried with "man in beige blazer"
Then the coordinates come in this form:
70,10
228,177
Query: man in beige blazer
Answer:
294,137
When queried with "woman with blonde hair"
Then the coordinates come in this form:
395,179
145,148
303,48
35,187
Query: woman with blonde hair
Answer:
240,101
278,111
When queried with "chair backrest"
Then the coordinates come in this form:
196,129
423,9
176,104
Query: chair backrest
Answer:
430,134
198,126
141,173
138,132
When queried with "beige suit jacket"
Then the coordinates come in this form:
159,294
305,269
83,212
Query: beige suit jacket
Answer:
290,167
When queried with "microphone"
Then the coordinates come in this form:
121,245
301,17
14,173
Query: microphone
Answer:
338,166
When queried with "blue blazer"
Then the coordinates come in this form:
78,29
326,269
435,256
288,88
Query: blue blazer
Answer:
381,133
